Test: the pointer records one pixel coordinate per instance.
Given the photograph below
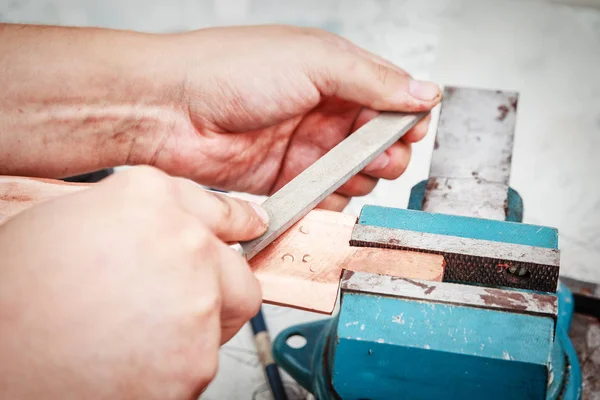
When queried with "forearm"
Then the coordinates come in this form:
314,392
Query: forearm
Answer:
76,99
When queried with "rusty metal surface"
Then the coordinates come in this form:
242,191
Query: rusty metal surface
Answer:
488,263
475,135
585,336
470,165
451,293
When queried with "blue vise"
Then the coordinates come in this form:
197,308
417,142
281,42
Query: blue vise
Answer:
496,327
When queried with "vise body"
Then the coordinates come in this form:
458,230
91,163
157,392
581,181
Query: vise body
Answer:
495,327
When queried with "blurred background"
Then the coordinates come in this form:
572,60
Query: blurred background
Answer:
548,51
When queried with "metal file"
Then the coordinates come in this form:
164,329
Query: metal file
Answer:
293,201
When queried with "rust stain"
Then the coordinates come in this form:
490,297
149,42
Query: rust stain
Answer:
427,288
348,274
430,290
544,299
513,103
508,300
432,184
503,112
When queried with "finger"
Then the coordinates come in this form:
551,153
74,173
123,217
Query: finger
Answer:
335,202
365,115
240,292
230,219
358,185
419,131
398,157
372,84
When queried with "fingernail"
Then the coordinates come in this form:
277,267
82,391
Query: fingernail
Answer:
261,213
423,90
379,163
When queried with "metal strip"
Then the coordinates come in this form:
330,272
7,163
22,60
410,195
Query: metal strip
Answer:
327,174
466,197
470,165
475,261
475,135
451,293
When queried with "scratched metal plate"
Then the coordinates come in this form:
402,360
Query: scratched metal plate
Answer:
475,135
452,293
470,165
466,197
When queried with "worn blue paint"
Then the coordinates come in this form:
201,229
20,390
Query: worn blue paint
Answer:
373,366
454,225
394,348
306,365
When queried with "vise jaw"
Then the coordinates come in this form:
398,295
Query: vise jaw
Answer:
486,331
404,338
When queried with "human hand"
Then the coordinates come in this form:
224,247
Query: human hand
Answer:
123,290
261,104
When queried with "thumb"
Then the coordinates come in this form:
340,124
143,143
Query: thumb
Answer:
376,85
230,219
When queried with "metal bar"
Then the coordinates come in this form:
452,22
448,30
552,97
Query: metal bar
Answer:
327,174
466,197
483,262
475,134
451,293
470,165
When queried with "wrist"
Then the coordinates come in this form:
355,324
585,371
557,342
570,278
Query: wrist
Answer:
84,100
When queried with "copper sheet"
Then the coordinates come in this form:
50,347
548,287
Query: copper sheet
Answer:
303,267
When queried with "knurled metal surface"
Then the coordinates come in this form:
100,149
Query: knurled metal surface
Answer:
487,271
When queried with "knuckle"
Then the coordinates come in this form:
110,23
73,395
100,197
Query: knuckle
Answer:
380,71
196,237
146,180
225,206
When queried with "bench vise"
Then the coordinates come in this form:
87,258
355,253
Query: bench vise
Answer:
496,327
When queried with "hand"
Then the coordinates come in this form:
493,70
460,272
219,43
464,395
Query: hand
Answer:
245,108
123,290
263,103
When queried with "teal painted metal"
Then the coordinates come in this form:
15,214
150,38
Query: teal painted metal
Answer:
438,351
565,368
454,225
312,365
308,365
